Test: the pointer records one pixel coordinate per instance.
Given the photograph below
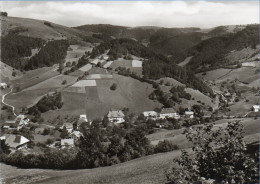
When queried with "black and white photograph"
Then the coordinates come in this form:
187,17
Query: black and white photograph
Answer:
129,92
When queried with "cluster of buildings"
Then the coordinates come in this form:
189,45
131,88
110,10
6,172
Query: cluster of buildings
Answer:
167,113
117,117
20,121
16,142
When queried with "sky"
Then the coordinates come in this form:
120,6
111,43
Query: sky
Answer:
203,14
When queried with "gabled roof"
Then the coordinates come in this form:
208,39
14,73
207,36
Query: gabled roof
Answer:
115,114
167,111
149,113
68,142
15,140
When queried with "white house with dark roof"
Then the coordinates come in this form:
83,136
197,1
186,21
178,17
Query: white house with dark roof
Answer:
116,116
169,113
150,115
15,142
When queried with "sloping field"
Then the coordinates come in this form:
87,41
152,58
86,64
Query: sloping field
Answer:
6,72
137,63
33,77
255,83
220,75
171,81
37,28
251,78
121,62
185,62
243,106
241,55
86,68
54,82
99,76
251,64
107,64
80,86
75,52
240,74
96,61
215,74
98,100
27,98
128,64
146,170
84,83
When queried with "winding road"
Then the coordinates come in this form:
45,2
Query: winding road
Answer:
3,98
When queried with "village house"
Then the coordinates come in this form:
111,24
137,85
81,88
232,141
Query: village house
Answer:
66,143
75,135
10,124
15,142
83,117
169,113
68,126
82,121
116,116
23,120
17,123
3,85
150,115
189,114
256,108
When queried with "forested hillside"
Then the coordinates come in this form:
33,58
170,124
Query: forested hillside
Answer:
15,47
52,53
156,65
211,53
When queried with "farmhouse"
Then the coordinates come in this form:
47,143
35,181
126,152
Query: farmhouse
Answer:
17,123
116,116
3,85
68,126
22,121
150,115
15,142
256,108
76,135
169,113
83,117
10,124
66,143
189,114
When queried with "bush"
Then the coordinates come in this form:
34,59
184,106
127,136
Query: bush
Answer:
165,146
113,86
64,82
218,155
46,131
48,24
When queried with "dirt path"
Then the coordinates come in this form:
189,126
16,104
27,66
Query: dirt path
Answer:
3,98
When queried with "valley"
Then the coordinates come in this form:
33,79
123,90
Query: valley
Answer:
99,82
